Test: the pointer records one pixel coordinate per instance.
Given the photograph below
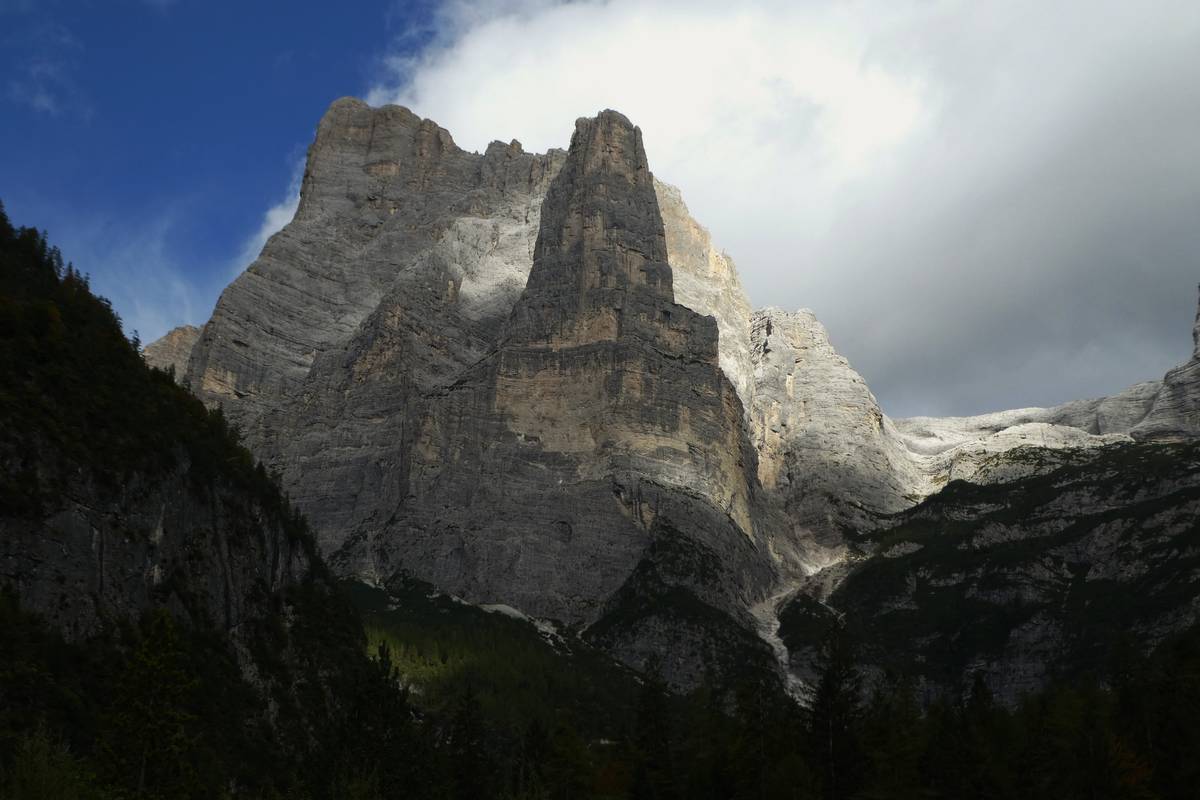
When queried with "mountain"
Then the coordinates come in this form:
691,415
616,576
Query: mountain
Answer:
534,380
555,466
403,440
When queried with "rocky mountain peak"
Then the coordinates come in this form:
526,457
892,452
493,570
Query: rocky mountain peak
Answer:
499,148
389,145
500,373
600,269
173,350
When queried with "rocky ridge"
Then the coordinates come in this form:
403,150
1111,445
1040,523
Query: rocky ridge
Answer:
437,372
1040,573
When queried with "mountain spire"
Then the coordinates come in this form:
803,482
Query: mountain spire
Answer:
600,269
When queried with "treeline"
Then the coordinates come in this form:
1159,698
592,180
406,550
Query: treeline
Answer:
160,711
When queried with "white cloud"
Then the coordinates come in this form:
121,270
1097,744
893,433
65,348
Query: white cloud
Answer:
947,184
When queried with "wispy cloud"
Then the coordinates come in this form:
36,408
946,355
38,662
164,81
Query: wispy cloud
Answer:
43,59
137,268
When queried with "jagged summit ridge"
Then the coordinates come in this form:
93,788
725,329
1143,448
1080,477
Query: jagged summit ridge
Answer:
409,256
382,189
516,375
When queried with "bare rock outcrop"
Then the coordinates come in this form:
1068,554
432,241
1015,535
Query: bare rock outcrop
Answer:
706,280
543,476
382,189
824,446
172,351
472,369
404,260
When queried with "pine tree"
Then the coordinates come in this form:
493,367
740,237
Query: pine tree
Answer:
45,769
834,719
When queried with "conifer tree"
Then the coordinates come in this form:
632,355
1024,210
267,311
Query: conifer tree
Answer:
834,718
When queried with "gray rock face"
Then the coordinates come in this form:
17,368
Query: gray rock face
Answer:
514,423
99,554
824,446
543,475
172,351
706,281
382,189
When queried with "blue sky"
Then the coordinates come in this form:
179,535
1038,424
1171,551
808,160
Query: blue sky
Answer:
150,138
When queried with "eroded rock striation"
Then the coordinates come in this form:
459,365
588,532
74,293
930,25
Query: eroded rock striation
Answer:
824,445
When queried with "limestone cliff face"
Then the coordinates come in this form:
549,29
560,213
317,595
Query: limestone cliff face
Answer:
543,476
706,281
824,446
491,386
322,380
385,195
173,350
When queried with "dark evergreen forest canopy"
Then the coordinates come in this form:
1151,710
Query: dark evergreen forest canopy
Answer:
399,693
